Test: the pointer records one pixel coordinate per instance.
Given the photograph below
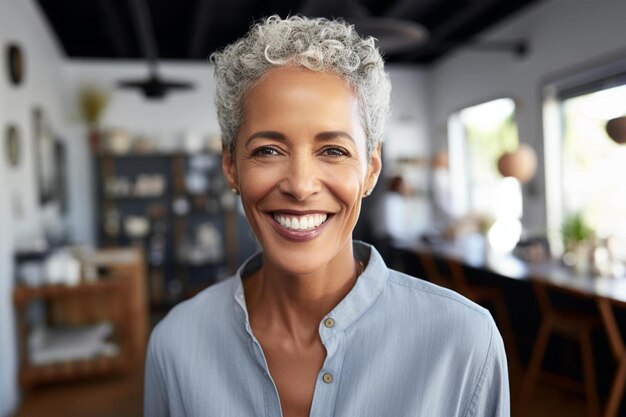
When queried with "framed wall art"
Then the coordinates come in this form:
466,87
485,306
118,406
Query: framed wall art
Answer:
12,146
15,64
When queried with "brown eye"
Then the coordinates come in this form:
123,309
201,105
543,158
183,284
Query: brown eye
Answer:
265,151
335,152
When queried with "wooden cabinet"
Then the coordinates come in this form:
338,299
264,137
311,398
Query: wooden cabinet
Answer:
117,296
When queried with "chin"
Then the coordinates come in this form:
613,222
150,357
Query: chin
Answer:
302,258
296,260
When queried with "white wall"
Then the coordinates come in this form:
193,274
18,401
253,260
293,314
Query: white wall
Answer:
408,136
21,22
562,34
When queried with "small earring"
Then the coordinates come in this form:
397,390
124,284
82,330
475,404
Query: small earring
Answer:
367,193
234,191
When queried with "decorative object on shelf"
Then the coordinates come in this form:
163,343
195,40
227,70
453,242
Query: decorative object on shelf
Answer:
62,268
117,187
118,142
616,129
136,227
520,164
12,145
143,145
145,186
30,268
69,343
196,182
181,206
207,247
93,101
193,142
15,64
149,185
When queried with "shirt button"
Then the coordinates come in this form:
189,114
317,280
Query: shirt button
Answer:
327,378
329,322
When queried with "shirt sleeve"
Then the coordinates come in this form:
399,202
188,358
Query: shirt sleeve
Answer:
155,402
491,398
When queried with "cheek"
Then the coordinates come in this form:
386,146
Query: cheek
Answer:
347,184
256,183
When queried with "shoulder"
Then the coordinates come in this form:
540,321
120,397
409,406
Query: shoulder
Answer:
409,286
435,306
453,329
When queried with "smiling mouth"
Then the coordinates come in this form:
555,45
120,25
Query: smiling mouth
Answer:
300,223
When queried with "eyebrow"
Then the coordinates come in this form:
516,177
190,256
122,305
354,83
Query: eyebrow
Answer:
334,134
272,134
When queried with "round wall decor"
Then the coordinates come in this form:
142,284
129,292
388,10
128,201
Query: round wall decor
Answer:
12,145
15,64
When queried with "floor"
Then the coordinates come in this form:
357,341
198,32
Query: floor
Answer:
121,397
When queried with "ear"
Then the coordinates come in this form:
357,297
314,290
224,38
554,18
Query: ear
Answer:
374,167
229,168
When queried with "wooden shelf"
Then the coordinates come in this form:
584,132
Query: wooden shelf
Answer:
119,297
22,295
31,375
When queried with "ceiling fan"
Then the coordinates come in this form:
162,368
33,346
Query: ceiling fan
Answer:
393,35
152,87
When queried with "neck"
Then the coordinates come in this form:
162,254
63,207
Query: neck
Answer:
297,303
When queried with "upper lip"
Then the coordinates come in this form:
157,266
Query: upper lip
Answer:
298,212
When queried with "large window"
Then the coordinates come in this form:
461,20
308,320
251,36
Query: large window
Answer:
593,167
479,135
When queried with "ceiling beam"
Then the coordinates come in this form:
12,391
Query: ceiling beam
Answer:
411,9
442,38
115,29
199,33
472,11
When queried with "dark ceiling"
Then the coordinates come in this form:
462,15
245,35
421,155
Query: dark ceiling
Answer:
192,29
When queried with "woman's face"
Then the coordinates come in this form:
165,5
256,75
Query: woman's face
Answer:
301,167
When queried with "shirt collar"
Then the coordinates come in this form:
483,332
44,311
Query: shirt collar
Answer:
366,289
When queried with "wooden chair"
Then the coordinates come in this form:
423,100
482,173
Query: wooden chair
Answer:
616,340
571,323
483,294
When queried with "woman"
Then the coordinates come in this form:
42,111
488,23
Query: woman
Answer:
315,324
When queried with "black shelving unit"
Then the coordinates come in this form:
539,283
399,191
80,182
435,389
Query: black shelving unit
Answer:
195,234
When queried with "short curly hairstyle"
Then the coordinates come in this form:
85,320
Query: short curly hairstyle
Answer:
317,44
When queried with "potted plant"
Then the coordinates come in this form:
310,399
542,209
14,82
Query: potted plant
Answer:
577,241
92,103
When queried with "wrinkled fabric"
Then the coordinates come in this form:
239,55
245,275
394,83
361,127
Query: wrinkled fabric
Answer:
399,346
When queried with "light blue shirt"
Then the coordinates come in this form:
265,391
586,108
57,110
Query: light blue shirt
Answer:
398,346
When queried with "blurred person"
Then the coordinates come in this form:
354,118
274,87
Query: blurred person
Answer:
316,324
390,222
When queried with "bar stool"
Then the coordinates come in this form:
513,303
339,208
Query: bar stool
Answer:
572,324
482,294
616,340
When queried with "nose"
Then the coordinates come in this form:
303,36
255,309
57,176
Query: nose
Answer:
302,179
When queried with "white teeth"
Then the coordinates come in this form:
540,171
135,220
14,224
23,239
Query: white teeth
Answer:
301,222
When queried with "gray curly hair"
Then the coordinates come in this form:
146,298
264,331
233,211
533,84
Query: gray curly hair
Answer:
317,44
